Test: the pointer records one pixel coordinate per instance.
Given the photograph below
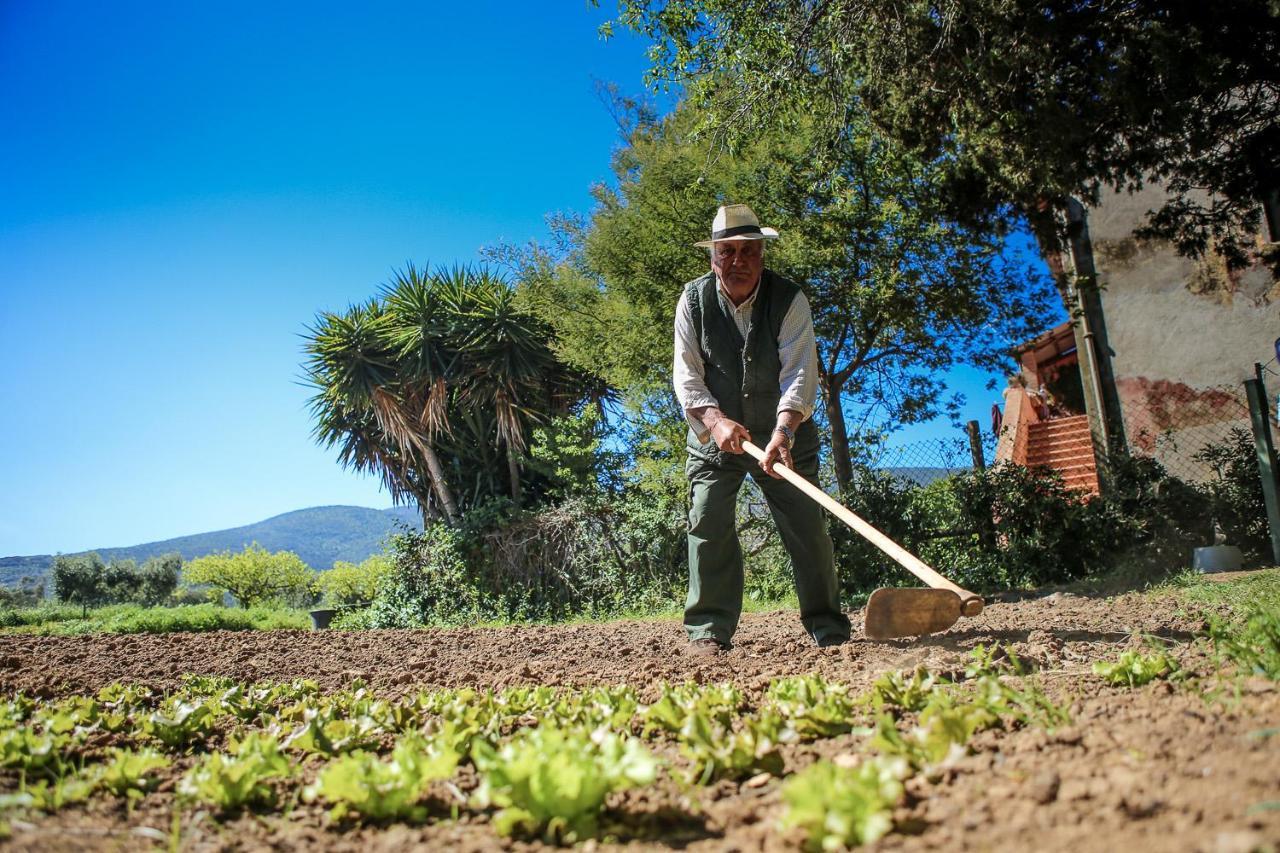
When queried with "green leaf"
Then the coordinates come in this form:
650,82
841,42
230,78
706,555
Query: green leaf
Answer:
843,807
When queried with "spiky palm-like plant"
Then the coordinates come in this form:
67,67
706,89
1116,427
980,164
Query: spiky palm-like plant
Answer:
434,385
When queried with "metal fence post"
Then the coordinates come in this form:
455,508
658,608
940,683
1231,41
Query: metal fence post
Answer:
975,445
1259,413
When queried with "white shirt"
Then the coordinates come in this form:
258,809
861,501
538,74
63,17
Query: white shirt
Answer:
797,349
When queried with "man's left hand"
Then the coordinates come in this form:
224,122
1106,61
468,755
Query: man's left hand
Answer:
776,452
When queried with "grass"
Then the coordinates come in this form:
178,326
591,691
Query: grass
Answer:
1235,598
64,620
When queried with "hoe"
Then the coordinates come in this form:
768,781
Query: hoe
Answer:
890,612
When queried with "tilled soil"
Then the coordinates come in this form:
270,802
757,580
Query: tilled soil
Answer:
1159,768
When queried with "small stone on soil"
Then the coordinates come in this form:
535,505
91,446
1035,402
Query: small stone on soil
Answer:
1044,787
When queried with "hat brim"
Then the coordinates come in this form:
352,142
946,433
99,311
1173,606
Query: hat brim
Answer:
765,234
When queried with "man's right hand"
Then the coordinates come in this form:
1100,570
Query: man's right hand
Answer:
729,435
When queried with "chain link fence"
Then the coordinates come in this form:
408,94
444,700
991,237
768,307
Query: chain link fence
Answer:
1190,432
923,462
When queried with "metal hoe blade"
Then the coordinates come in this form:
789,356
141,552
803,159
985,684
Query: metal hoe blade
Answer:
893,612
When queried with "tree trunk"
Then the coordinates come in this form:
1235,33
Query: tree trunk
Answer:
429,513
840,458
440,486
513,469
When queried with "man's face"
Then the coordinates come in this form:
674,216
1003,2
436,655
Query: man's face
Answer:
737,263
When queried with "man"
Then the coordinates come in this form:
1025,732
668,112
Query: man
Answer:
746,367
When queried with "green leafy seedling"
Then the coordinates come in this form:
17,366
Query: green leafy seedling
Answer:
998,659
841,807
177,722
812,706
131,774
899,692
233,782
552,783
1134,669
363,784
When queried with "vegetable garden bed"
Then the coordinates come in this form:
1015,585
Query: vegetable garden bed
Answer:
1061,722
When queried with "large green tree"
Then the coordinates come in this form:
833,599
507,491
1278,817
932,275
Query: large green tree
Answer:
435,384
1025,102
900,295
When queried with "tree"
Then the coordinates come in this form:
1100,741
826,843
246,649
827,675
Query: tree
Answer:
1025,103
253,576
348,583
121,581
158,578
435,385
79,579
899,294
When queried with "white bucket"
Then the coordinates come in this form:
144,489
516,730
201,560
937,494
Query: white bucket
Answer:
1217,558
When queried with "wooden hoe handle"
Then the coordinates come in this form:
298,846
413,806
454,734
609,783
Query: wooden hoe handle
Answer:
970,604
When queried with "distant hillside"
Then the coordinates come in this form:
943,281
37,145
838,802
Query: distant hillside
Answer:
922,476
319,535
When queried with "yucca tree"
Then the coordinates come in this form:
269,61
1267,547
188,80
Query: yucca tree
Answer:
435,384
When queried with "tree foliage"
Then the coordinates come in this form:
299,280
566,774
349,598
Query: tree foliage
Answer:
252,576
348,583
435,385
1023,101
86,580
899,293
79,579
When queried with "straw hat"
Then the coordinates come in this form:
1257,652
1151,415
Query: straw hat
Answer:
737,222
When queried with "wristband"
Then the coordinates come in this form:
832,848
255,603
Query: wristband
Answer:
787,434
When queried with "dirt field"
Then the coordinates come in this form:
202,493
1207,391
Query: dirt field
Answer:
1154,768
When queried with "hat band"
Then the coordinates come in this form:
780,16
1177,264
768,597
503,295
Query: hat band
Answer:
735,231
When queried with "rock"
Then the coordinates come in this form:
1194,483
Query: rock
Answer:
758,781
1238,841
1140,805
1044,787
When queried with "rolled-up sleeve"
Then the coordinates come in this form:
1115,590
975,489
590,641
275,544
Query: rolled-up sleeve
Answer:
689,375
798,351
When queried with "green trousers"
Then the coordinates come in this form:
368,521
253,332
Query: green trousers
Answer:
714,603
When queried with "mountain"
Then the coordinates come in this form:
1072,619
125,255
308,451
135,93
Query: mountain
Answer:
319,535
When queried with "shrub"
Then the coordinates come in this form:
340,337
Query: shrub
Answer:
1234,496
428,583
586,556
1013,526
26,593
253,576
348,583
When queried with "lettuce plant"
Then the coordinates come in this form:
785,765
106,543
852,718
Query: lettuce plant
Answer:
812,706
840,807
130,774
1134,669
552,782
717,752
390,789
232,782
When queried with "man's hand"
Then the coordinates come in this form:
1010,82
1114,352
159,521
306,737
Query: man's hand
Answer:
776,452
729,435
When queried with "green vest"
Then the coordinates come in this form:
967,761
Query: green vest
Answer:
743,375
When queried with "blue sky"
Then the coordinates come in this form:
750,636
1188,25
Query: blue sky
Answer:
186,185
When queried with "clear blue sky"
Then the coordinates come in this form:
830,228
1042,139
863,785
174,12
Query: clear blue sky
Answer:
185,185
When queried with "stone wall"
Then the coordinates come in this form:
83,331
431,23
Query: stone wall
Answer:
1184,333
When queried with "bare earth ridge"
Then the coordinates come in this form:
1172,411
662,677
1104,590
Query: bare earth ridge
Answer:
1157,768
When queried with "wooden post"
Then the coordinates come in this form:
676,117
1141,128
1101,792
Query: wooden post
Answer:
975,445
1259,413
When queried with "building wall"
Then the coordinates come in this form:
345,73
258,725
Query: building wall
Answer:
1184,334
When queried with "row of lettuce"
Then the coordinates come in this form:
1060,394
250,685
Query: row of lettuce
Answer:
543,761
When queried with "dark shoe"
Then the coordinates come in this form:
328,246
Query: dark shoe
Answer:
706,646
831,640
